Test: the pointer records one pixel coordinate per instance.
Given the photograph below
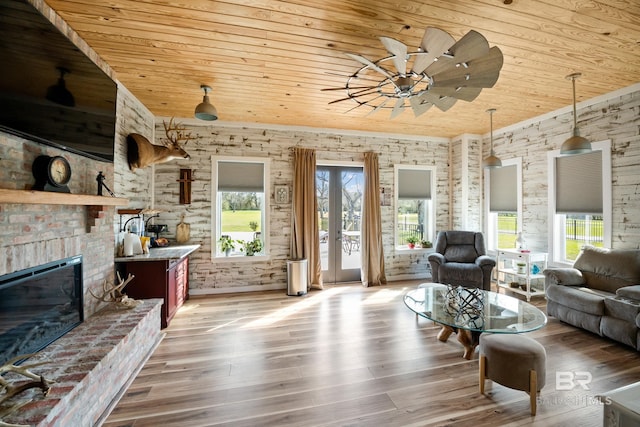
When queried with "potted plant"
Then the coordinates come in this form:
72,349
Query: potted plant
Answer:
521,267
226,244
411,241
252,247
425,244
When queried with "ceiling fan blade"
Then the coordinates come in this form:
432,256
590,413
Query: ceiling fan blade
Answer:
370,64
379,106
471,46
442,102
419,105
434,43
399,52
464,93
346,88
445,103
480,72
354,96
398,108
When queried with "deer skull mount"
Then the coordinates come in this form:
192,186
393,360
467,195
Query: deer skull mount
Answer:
142,153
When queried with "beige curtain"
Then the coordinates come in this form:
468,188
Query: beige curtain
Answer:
372,254
305,238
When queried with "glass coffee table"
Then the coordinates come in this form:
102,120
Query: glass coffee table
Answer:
469,312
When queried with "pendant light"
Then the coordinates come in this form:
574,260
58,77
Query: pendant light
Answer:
205,110
59,93
492,161
575,144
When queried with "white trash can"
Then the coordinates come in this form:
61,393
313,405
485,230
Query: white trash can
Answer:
296,277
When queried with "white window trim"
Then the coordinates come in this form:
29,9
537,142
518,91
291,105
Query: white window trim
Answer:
214,208
491,237
556,248
431,226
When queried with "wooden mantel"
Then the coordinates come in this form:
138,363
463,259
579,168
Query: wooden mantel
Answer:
95,204
50,198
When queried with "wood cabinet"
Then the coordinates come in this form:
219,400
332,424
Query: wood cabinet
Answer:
167,279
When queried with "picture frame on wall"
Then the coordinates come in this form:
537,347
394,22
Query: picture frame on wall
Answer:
281,194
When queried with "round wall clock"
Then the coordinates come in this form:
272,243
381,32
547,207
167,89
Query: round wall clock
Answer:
51,173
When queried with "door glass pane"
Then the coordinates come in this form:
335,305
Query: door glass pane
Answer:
339,193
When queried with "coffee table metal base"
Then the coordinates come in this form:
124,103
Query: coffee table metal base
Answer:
468,339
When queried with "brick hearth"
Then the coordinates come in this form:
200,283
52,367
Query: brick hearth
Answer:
91,365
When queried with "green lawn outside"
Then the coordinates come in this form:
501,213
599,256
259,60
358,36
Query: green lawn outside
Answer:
239,220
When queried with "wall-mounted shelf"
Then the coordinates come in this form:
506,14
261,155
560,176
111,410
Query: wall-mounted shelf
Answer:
50,198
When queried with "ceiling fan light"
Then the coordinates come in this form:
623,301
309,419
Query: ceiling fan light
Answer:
59,93
205,110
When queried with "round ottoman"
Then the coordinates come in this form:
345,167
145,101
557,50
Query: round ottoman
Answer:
514,361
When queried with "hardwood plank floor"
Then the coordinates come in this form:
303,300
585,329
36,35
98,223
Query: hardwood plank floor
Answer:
352,356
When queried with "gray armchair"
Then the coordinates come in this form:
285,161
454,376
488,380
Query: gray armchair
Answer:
460,259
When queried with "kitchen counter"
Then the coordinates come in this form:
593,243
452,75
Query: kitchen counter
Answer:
158,254
162,273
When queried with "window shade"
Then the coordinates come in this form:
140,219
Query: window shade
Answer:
579,184
503,189
241,177
414,184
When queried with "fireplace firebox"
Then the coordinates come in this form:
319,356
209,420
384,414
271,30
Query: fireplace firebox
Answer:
39,305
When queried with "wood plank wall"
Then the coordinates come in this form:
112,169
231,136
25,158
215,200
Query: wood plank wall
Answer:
275,144
616,119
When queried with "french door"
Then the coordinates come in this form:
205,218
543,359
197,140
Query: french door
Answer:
339,193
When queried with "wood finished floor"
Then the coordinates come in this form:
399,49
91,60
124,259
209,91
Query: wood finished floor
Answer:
348,356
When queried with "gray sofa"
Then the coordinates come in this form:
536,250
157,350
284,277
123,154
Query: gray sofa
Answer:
601,293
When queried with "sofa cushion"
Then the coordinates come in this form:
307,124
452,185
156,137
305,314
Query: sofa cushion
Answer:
620,331
563,276
630,292
589,322
458,273
609,269
579,298
622,308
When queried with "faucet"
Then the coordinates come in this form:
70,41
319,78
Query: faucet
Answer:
127,222
146,223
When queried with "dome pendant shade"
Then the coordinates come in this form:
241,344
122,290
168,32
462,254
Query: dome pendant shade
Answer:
59,93
576,144
205,110
492,161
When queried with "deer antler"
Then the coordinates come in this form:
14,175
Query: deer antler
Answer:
176,133
10,390
114,293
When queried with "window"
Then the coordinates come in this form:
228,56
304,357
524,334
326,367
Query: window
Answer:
579,201
503,208
415,204
240,195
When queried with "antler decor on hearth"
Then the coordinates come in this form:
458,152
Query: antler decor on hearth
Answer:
9,389
114,294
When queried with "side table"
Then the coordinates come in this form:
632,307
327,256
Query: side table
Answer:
621,406
506,266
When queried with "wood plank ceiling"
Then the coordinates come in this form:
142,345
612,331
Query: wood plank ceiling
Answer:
267,60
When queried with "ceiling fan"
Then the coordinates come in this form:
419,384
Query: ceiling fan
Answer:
439,73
